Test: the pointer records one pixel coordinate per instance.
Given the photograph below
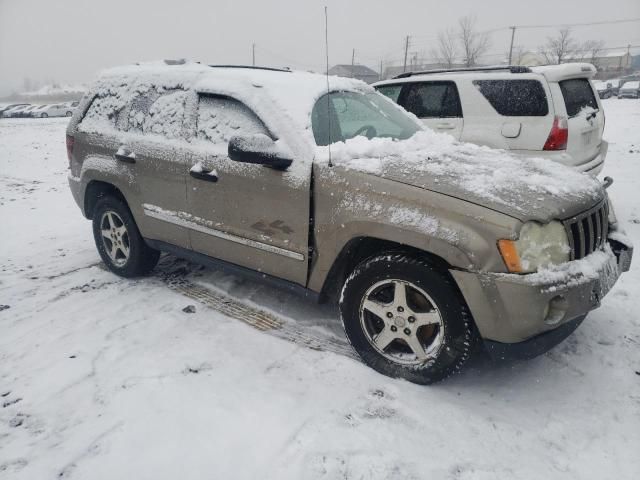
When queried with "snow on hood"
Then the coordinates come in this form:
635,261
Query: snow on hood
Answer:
526,188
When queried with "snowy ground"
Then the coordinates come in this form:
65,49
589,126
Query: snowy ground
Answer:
103,377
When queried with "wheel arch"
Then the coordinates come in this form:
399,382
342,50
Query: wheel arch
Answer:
97,189
359,249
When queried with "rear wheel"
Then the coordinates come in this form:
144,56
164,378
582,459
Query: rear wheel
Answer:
406,319
68,114
118,240
43,115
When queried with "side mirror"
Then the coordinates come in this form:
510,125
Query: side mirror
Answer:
258,149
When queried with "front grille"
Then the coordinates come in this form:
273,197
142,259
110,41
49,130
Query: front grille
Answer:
587,231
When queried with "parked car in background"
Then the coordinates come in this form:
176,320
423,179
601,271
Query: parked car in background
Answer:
615,85
16,111
55,110
551,111
22,112
426,244
604,89
10,107
630,90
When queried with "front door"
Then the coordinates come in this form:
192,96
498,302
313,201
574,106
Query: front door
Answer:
246,214
437,104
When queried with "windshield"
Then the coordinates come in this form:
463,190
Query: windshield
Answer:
339,116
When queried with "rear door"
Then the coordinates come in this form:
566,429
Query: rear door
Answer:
436,103
585,118
523,117
152,152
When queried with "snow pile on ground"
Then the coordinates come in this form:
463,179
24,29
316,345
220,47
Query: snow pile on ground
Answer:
482,172
103,378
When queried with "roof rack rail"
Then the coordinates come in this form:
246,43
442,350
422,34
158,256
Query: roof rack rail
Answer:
511,68
179,61
252,67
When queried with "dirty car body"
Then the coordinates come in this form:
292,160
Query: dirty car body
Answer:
264,171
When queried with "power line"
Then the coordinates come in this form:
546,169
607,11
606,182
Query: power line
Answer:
588,24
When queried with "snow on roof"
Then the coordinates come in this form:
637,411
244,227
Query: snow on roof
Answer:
564,71
275,96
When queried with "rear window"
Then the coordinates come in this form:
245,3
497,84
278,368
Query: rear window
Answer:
515,98
577,95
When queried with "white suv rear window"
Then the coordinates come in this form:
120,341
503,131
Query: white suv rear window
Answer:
577,94
515,98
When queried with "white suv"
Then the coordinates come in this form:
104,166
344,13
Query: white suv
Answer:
551,111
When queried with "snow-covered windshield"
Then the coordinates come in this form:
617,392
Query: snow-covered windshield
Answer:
344,115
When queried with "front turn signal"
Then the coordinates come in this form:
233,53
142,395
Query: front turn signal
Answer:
510,255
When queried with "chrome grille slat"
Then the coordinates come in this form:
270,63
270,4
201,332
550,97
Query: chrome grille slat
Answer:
580,253
598,216
587,231
589,235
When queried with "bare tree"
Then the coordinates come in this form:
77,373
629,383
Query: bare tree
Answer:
474,44
559,48
591,51
447,50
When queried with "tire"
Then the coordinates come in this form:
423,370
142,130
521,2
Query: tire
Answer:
445,333
44,115
68,114
118,240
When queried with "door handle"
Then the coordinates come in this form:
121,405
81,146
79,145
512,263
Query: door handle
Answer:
207,176
445,126
124,156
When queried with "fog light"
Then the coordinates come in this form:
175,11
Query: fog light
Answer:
556,310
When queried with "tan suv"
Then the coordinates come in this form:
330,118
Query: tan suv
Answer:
332,189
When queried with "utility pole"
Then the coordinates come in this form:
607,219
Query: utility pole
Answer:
253,54
406,51
513,34
353,58
380,70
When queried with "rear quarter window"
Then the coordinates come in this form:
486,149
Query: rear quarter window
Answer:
577,94
515,98
105,113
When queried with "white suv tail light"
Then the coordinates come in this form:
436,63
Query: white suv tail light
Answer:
559,134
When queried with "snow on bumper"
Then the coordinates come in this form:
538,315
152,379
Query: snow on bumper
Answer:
511,308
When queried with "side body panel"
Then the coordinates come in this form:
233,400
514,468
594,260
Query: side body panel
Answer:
350,204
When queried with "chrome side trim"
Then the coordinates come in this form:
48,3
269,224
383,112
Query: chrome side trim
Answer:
174,218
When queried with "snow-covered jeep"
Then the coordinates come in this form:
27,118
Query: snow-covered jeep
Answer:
429,245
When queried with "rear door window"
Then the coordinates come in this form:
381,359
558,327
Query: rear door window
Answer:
577,94
220,118
515,98
391,91
433,100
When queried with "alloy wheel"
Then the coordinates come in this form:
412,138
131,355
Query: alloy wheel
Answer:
115,238
402,322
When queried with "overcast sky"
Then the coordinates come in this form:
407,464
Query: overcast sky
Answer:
71,40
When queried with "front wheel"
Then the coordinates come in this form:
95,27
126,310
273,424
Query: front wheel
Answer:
44,115
406,319
68,114
118,240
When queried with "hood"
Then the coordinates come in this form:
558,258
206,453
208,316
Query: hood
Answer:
525,188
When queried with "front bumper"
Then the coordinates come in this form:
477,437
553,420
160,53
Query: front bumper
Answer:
510,308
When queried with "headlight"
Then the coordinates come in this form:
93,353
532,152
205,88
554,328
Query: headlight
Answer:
538,246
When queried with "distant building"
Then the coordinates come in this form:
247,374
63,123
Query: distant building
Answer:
361,72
